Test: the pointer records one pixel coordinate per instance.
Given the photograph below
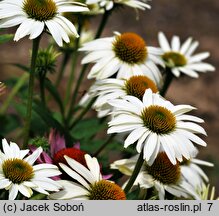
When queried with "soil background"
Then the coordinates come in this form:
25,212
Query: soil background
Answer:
196,18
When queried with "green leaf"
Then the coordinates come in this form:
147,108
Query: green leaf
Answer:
50,121
53,91
37,125
87,128
21,66
9,123
134,195
5,38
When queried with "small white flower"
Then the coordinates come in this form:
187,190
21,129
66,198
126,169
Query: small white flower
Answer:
18,174
89,183
156,125
35,16
180,59
161,175
124,55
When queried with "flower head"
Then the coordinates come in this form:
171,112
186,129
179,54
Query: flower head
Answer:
193,174
89,183
180,58
124,55
162,175
18,174
35,16
46,60
156,125
108,89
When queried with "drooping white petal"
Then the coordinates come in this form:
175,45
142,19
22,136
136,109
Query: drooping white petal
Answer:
13,191
26,191
74,175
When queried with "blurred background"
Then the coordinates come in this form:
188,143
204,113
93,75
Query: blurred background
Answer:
199,19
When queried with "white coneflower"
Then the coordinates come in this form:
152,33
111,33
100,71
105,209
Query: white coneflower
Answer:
89,184
193,174
156,125
108,89
18,174
35,16
162,175
124,55
180,59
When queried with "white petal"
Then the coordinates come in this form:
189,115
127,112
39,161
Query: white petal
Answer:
167,148
189,72
67,25
36,29
70,190
13,191
6,148
199,57
93,166
23,29
148,98
175,72
74,175
175,43
163,42
150,146
190,126
81,169
186,45
134,136
73,8
139,145
181,109
33,157
201,162
189,118
12,21
4,183
191,49
26,191
54,30
193,137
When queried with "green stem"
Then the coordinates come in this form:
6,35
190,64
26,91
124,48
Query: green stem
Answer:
35,48
73,66
75,92
167,81
83,112
62,69
83,70
42,88
103,23
135,173
13,92
104,145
